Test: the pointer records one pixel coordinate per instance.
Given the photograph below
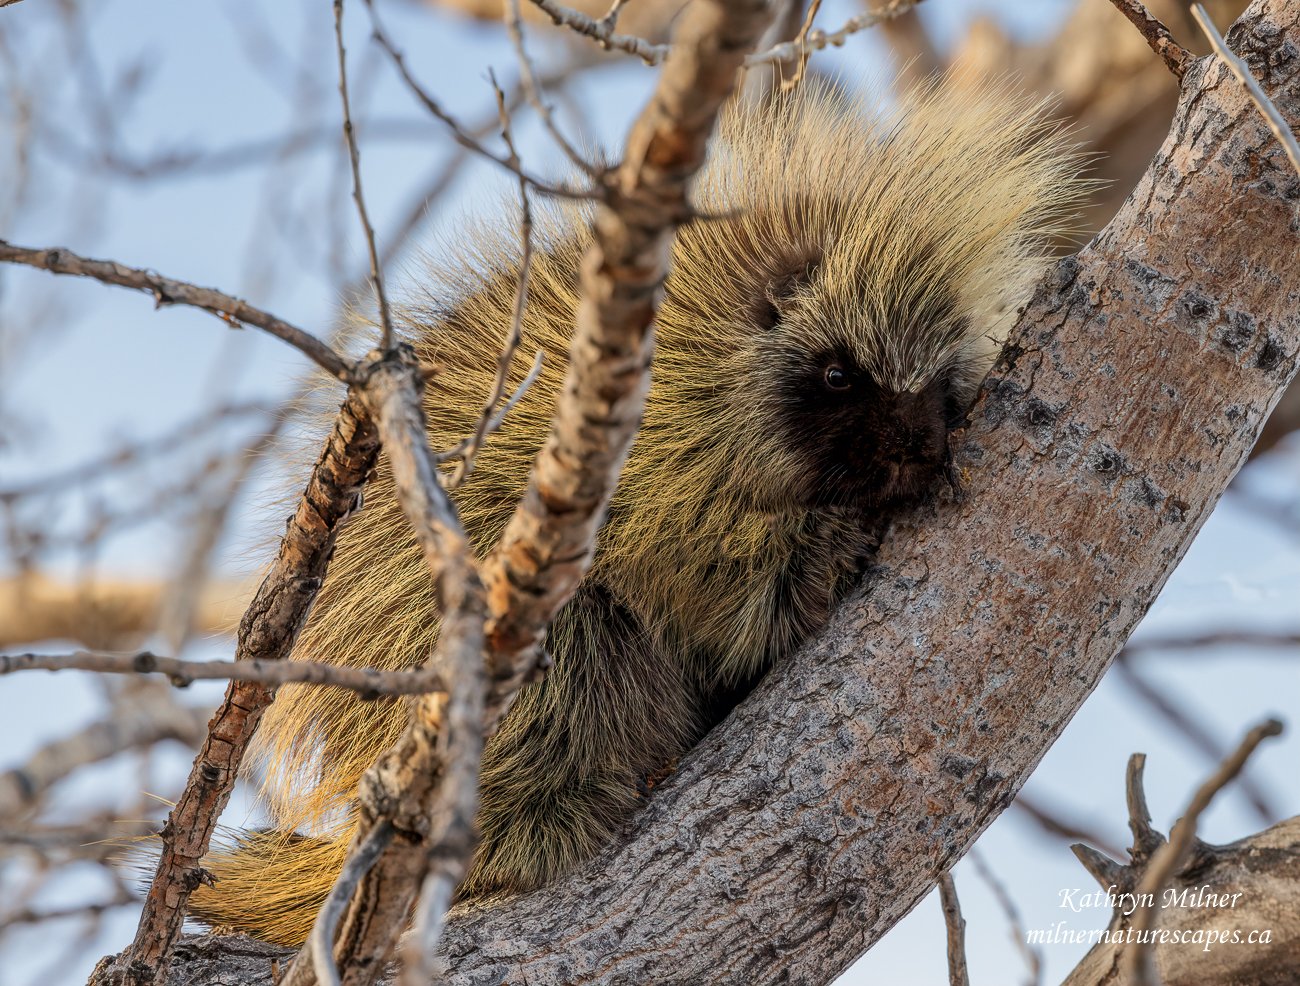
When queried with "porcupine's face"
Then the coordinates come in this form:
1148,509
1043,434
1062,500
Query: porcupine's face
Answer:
873,379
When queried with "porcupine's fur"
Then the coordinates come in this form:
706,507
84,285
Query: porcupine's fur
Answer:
895,247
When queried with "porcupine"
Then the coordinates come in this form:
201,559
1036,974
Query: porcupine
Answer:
822,333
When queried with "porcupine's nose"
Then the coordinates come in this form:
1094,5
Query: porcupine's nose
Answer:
918,433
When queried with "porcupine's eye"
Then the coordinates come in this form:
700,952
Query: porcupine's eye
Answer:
836,378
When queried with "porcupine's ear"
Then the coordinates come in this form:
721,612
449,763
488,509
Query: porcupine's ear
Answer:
780,279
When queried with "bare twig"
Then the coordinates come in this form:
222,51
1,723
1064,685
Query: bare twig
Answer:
602,31
1033,960
171,164
359,863
426,786
1209,641
1193,729
801,40
368,682
818,40
267,632
129,455
547,544
498,419
956,925
1146,840
1174,55
515,334
533,93
1257,96
1138,958
610,20
354,155
29,916
1051,821
458,133
167,291
653,54
138,724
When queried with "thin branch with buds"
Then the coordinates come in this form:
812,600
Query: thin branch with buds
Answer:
169,291
601,31
367,682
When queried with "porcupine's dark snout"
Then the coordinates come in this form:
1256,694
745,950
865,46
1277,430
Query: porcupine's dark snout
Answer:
916,433
912,443
877,447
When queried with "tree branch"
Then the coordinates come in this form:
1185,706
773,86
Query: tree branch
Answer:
168,291
956,927
266,633
424,788
370,683
358,195
602,32
1157,36
1083,490
1138,961
886,778
1206,905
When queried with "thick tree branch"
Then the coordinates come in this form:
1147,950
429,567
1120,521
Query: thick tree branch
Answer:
802,829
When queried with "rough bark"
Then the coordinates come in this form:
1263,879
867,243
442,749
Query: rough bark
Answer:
821,812
425,788
547,546
803,828
1265,870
